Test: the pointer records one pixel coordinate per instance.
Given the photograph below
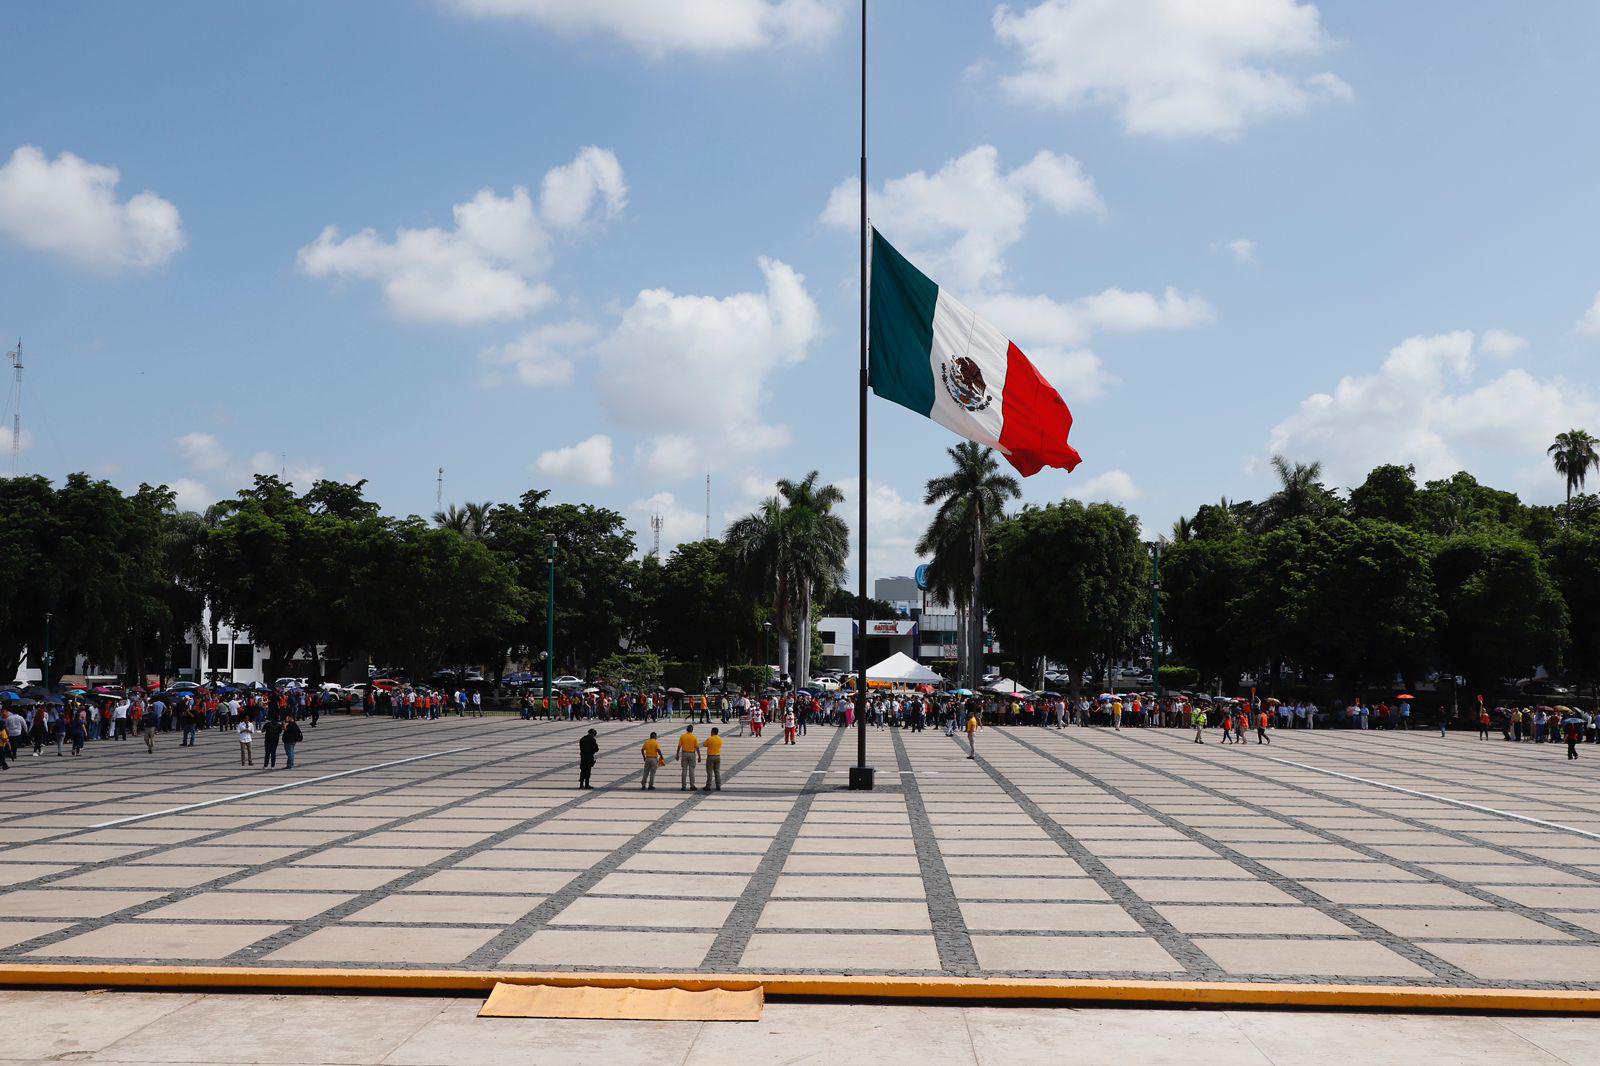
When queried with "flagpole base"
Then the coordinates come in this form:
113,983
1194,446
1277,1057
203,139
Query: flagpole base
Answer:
861,779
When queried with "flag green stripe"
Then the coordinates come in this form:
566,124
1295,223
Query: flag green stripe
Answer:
903,300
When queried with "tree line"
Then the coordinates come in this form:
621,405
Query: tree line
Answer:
1390,583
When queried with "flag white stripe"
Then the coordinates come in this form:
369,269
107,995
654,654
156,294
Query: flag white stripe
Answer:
958,332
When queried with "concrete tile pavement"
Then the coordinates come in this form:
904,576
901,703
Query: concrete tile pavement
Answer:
286,1030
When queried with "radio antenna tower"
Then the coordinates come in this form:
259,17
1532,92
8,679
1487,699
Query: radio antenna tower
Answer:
655,533
15,355
708,506
438,491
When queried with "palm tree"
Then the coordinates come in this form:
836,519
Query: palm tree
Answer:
1300,494
470,521
1573,454
971,499
791,545
819,544
1182,531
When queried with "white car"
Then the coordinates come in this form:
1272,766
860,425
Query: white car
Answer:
568,681
827,684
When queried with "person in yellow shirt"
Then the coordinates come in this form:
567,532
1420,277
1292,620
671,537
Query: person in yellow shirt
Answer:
713,759
651,750
972,736
1116,715
688,758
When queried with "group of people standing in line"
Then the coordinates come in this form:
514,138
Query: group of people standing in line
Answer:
71,721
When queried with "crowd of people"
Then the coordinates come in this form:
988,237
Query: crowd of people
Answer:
71,720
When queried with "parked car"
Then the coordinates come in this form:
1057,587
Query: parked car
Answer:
568,681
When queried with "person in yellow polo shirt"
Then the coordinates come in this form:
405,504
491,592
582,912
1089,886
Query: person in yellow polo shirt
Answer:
651,750
714,759
688,758
972,735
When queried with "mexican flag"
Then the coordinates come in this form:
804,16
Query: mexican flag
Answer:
931,353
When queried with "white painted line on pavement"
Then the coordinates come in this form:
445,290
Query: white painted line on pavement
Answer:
1442,799
275,788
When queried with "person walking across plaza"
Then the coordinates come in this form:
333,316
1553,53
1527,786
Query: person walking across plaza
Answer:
788,733
147,730
651,750
247,736
1197,718
714,759
588,752
1572,732
1262,721
688,758
271,733
292,735
972,735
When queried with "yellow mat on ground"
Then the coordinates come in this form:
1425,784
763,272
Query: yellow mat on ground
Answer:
637,1004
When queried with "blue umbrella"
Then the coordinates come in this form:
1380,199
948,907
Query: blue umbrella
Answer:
9,694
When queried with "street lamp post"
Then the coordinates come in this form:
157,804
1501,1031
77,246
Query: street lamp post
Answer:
550,628
1155,621
45,659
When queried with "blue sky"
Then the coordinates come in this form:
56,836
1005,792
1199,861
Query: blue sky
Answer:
1349,232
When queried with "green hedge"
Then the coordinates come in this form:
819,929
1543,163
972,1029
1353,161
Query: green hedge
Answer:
1179,677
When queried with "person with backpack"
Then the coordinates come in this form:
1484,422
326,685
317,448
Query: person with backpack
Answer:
292,735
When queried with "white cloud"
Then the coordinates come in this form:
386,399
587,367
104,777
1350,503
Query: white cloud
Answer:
654,27
1243,249
588,462
1113,486
570,191
957,224
1589,324
1501,344
1171,68
191,495
1421,407
894,525
486,269
675,356
1053,334
69,206
540,356
202,451
205,454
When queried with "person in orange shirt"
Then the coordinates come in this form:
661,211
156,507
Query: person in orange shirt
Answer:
651,750
1227,728
1262,721
688,758
713,759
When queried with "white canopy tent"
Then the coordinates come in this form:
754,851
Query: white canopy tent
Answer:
902,669
1004,684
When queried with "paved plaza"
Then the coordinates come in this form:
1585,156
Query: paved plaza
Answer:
143,1027
1378,858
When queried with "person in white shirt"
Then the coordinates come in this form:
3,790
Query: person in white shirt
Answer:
247,734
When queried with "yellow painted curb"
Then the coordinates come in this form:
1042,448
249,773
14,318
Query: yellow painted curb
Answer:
841,986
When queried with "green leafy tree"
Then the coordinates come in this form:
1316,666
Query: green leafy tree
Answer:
1573,558
1067,581
1200,581
1503,615
595,577
1458,503
698,613
1389,493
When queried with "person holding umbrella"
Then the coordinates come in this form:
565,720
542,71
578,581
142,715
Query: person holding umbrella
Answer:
1571,730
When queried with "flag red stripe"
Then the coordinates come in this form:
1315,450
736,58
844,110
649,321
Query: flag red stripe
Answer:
1037,422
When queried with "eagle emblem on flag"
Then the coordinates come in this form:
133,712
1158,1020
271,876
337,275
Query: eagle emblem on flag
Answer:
963,380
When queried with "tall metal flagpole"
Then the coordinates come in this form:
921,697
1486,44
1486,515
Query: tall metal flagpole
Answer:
861,773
